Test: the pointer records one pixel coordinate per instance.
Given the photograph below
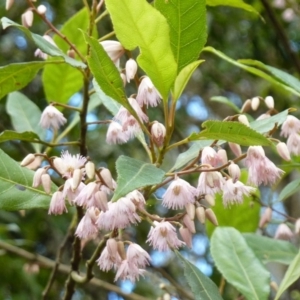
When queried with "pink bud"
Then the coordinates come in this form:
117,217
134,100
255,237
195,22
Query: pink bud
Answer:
234,171
186,236
255,103
158,133
210,215
190,210
27,18
131,68
90,170
27,160
222,154
210,199
37,177
200,214
121,250
269,100
283,151
101,199
59,165
77,177
246,106
46,182
71,53
106,176
235,148
124,79
243,119
283,232
189,223
9,4
266,217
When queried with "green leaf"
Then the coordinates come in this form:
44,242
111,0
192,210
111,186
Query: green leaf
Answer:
202,287
244,217
134,174
13,77
138,24
25,115
112,105
226,101
238,264
291,275
234,132
27,136
284,77
41,43
187,21
253,70
234,3
265,125
16,192
290,189
69,80
268,249
187,156
183,78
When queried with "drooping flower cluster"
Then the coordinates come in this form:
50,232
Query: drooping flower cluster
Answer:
291,130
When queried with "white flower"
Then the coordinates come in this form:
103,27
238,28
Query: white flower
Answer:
52,118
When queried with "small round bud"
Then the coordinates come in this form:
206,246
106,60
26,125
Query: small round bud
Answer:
269,100
255,103
71,53
243,119
27,18
41,9
27,160
283,151
158,133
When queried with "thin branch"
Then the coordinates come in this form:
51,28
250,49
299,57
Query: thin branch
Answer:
62,268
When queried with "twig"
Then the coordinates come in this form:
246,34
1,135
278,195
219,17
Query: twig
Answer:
49,264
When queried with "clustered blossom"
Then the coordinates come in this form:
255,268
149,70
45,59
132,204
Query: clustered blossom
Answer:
291,129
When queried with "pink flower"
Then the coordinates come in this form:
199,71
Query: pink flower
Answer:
120,214
147,93
87,228
86,197
126,270
234,192
210,157
163,236
210,183
52,118
290,125
68,191
261,169
178,194
109,257
116,135
130,68
57,204
137,256
293,143
114,50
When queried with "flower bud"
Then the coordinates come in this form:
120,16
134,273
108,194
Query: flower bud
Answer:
222,154
41,9
130,68
235,148
27,160
243,119
71,53
297,227
283,232
210,215
283,151
37,177
210,200
167,296
59,165
27,18
114,49
158,133
189,223
46,182
246,106
121,250
9,4
77,177
269,100
234,171
101,199
190,210
112,246
200,214
186,236
106,176
90,170
123,77
255,103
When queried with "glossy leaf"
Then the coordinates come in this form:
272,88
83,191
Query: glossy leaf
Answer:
27,136
188,33
138,24
16,192
234,132
268,249
238,264
233,3
265,125
284,77
134,174
291,275
202,287
225,101
13,77
253,70
290,189
25,115
112,105
68,79
183,78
